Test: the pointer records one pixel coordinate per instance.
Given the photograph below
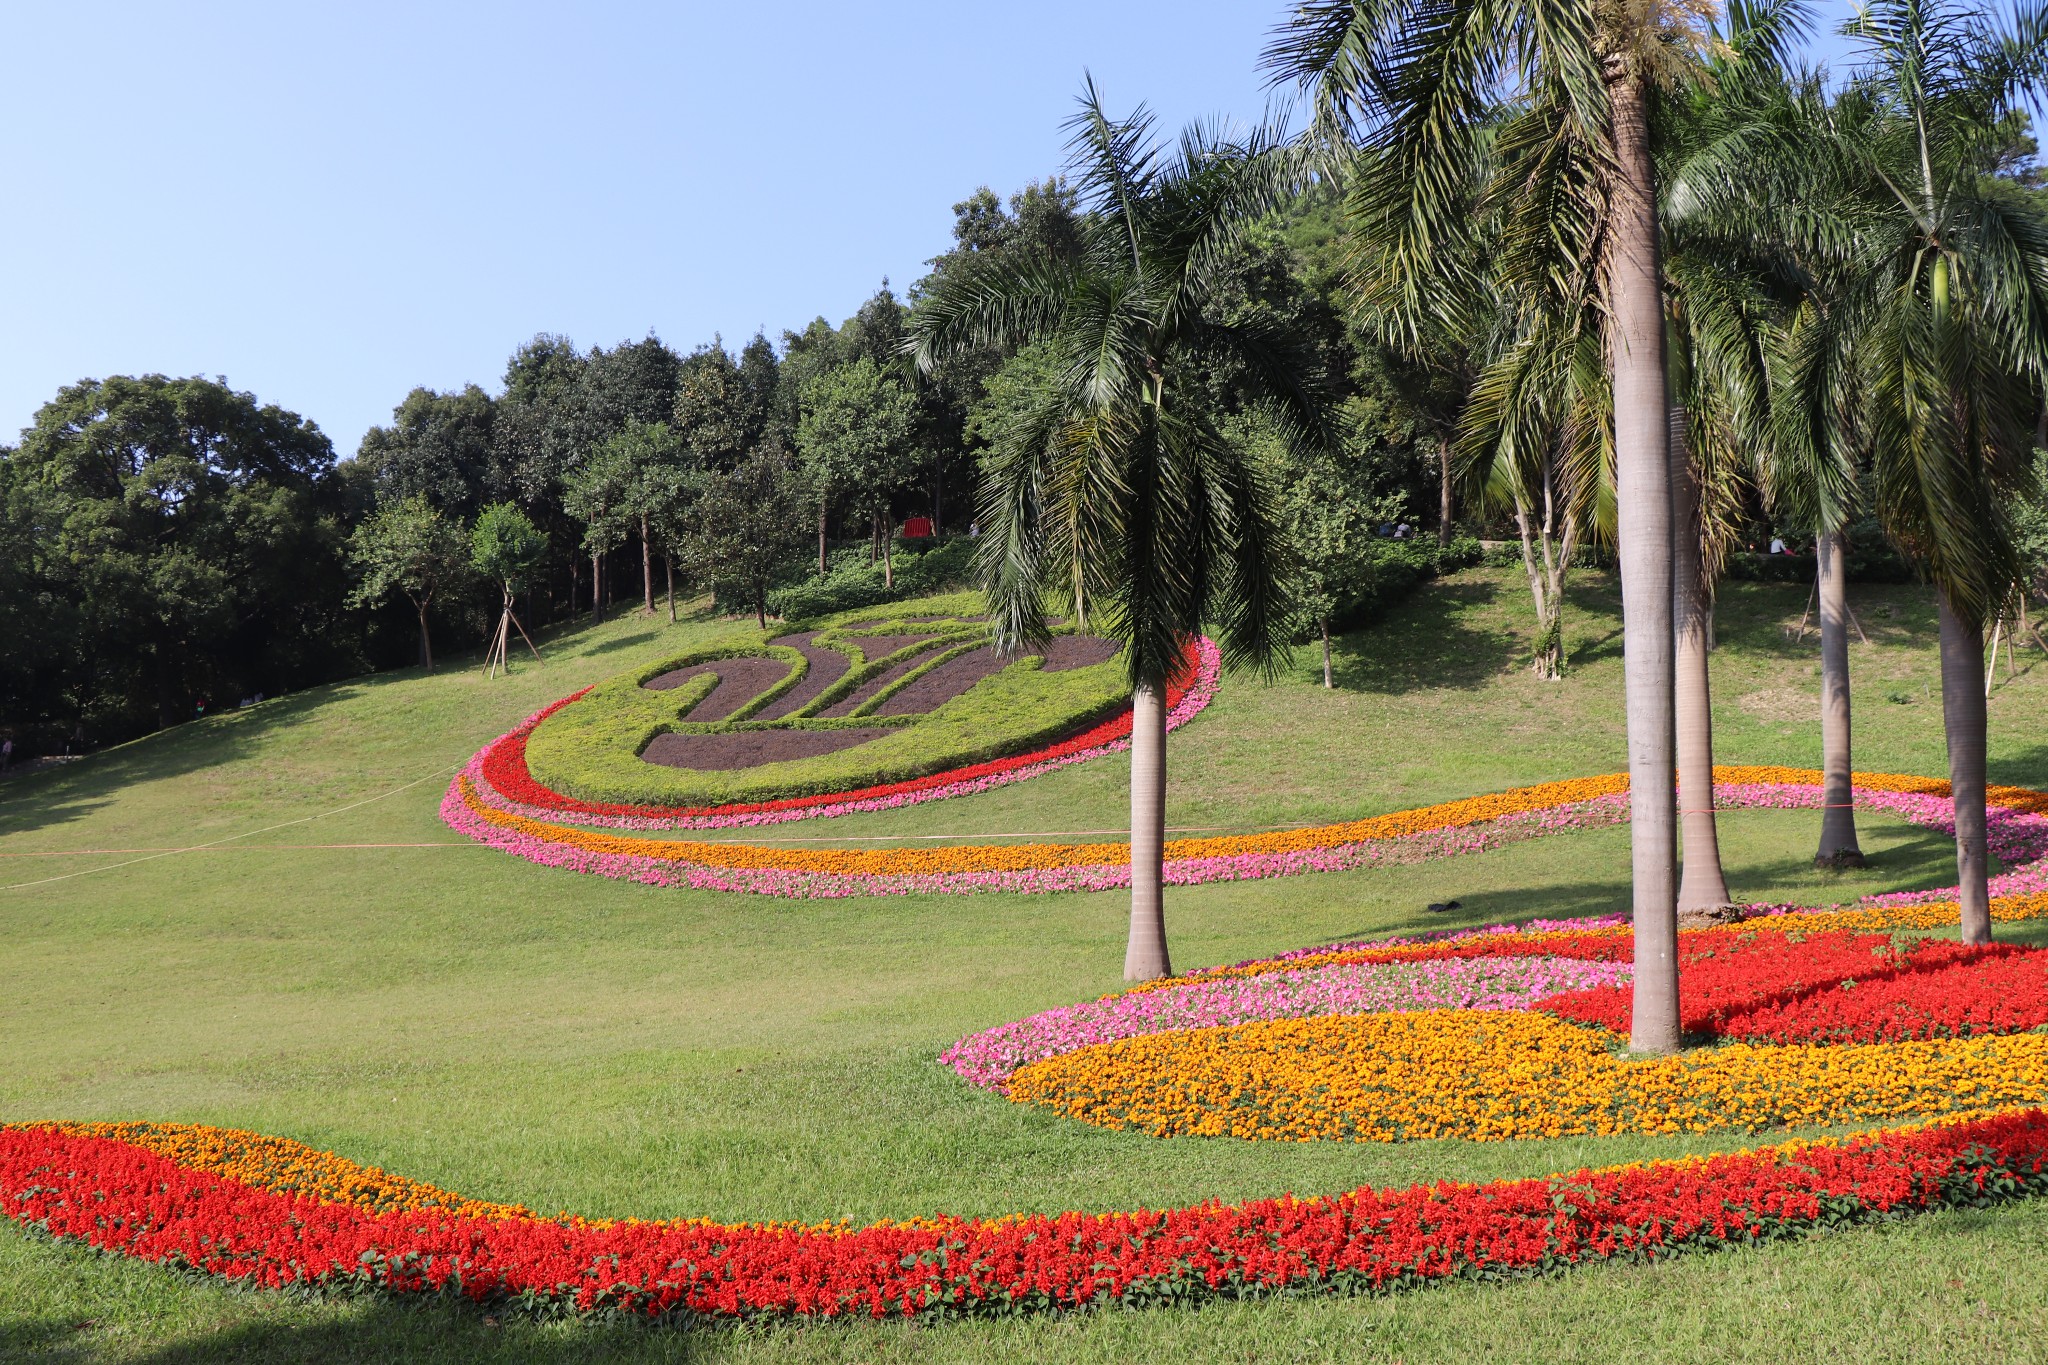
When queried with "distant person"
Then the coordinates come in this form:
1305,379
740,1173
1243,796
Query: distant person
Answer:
1403,531
973,530
1778,546
6,754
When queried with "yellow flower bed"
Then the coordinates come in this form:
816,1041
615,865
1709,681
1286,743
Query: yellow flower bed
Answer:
1486,1075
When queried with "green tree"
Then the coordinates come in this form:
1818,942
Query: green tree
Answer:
853,435
1928,343
507,549
1116,488
407,547
746,524
1419,85
192,535
603,493
441,446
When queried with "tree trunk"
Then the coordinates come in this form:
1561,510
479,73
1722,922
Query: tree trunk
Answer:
1443,510
596,584
646,565
426,644
1838,846
1145,956
1643,511
1326,653
821,540
1702,882
1962,717
761,603
668,567
888,533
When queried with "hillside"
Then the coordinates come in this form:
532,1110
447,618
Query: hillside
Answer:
259,921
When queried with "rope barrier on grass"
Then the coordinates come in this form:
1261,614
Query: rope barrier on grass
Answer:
232,838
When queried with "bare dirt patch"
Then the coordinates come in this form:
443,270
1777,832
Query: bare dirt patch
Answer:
727,750
739,682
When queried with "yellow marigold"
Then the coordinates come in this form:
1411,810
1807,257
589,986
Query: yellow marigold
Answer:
1487,1075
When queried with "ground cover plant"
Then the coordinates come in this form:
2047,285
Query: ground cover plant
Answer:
857,701
429,1017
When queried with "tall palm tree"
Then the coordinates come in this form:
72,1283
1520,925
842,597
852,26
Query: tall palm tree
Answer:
1938,335
1417,81
1118,490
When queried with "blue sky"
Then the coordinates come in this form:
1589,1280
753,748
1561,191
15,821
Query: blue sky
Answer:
331,204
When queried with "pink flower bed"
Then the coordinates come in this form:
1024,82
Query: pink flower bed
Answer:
987,1059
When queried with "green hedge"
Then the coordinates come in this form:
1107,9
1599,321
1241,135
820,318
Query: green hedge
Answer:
591,750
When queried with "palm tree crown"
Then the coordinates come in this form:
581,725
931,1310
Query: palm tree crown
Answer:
1117,491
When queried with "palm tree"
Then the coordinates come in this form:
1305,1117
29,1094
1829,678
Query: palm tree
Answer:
1117,492
1418,82
1938,334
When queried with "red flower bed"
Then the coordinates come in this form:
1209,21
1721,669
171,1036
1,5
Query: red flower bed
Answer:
1998,990
121,1198
504,767
1836,987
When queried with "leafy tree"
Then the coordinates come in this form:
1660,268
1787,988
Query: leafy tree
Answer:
747,523
440,446
604,494
852,436
409,548
1420,85
506,548
191,535
1120,486
1330,531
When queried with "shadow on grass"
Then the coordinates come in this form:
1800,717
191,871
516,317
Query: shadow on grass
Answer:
380,1329
1795,877
1437,647
75,790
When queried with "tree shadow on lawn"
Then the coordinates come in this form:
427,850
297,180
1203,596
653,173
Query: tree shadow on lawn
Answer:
379,1328
73,791
1614,895
1427,642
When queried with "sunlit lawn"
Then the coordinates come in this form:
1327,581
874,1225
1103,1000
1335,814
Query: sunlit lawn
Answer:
456,1015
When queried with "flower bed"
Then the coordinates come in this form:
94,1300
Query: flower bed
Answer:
476,807
1507,1074
119,1196
500,778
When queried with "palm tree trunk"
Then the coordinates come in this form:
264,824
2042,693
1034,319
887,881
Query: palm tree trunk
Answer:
888,533
1703,883
668,567
1326,653
1145,955
646,565
1643,510
1443,497
1838,846
1962,717
596,597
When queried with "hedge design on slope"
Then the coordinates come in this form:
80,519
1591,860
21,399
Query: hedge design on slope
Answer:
861,700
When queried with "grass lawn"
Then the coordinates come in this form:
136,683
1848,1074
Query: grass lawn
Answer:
353,975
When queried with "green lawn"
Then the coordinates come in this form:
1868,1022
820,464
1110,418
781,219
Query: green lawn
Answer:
454,1014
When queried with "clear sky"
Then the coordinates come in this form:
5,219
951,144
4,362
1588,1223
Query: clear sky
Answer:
329,204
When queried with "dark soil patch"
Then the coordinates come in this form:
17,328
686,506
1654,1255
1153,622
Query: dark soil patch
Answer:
739,682
944,683
727,750
827,666
845,705
873,647
1078,651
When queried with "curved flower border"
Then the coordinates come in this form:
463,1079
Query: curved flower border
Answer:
501,778
119,1195
2019,833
